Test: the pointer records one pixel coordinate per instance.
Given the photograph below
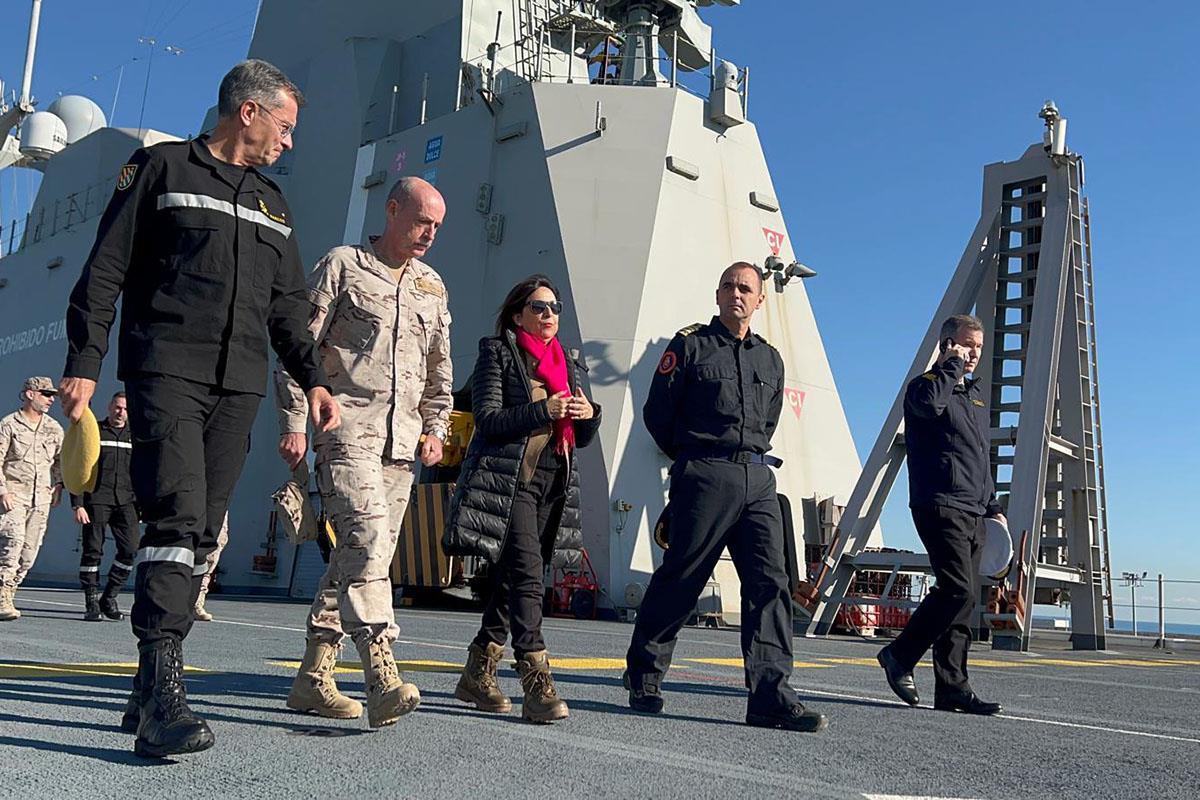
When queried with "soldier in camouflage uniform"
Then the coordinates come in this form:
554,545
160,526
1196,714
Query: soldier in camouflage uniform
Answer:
30,485
382,326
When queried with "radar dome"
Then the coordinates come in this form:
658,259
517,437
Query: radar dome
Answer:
42,135
80,115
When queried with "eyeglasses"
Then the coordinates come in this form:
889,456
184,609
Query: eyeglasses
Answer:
286,129
47,393
540,307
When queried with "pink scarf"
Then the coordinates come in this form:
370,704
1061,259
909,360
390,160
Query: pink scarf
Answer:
552,370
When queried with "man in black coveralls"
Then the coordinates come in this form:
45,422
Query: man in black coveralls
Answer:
201,245
713,406
110,504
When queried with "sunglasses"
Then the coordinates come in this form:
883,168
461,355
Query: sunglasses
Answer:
540,307
47,393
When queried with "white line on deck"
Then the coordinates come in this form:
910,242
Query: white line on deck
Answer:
1038,720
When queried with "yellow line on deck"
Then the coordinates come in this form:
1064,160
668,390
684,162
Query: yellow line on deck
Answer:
587,663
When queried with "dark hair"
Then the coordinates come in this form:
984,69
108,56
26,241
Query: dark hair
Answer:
117,396
738,266
958,323
514,302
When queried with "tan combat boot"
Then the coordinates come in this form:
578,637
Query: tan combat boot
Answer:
8,612
314,690
200,612
478,682
542,703
388,697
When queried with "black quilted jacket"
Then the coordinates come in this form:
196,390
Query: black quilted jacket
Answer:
505,416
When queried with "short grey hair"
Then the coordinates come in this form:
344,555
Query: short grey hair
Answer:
958,323
257,80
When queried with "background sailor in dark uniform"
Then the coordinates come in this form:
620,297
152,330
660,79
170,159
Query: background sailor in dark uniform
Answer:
201,244
713,406
947,435
110,504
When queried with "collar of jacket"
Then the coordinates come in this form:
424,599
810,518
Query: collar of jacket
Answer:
724,336
119,432
202,155
21,419
572,354
378,266
967,386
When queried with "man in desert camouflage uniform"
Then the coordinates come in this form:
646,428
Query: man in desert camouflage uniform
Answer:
30,485
382,326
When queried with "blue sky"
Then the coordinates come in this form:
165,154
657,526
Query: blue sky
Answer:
877,119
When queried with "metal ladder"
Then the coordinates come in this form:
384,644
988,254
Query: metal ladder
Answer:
1089,280
1027,273
533,36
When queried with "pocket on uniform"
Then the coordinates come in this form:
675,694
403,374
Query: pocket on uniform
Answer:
191,249
354,327
765,389
158,466
268,254
714,388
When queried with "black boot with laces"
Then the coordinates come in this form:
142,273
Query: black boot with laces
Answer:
168,726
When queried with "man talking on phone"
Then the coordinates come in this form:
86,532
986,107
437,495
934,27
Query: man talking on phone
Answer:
947,436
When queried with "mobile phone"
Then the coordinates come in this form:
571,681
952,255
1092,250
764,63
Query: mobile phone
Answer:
946,343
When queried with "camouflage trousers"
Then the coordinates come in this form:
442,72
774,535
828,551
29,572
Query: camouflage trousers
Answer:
21,533
210,562
365,497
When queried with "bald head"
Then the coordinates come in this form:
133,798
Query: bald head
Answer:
415,210
412,189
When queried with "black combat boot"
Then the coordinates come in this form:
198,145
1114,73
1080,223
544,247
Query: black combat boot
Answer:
108,600
168,727
645,696
133,706
91,611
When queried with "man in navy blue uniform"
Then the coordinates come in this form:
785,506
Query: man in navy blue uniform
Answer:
947,436
713,406
200,244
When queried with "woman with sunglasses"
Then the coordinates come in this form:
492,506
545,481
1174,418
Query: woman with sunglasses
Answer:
517,499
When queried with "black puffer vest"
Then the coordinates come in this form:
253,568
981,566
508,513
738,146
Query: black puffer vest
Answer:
505,416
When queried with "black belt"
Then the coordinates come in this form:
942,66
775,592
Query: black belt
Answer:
740,457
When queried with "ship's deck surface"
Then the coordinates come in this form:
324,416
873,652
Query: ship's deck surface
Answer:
1122,723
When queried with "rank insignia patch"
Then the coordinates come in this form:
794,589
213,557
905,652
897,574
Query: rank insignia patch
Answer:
668,363
429,287
125,176
280,218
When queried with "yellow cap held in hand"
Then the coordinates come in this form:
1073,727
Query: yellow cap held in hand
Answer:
81,454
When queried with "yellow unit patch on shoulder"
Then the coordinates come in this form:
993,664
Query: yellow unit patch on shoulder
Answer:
280,218
429,287
690,329
932,376
979,403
